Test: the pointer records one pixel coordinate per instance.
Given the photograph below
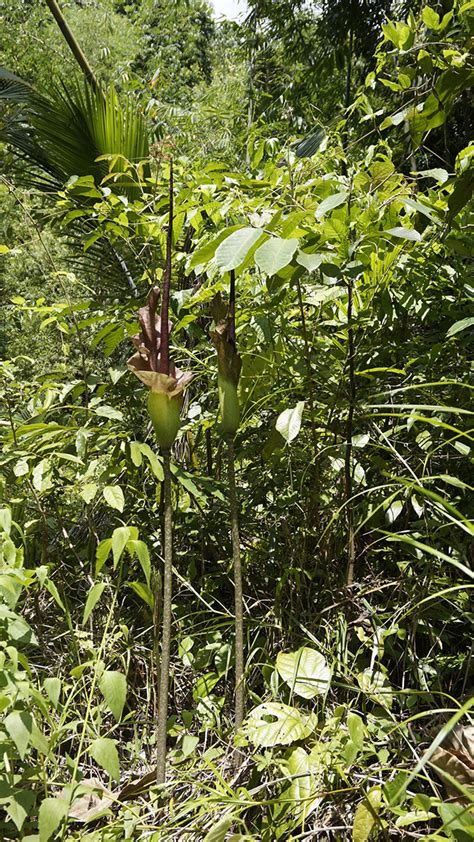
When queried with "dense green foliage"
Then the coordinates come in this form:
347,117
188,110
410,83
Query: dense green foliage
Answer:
322,159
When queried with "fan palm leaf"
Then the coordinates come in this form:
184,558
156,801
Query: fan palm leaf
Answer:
65,131
76,130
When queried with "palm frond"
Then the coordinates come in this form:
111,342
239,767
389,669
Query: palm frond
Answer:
64,131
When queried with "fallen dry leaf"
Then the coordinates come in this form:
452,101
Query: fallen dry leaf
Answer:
95,801
455,756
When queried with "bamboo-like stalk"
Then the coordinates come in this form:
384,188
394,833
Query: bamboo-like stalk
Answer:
73,44
238,589
162,715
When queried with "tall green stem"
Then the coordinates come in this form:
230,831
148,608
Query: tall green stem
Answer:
238,590
162,717
348,467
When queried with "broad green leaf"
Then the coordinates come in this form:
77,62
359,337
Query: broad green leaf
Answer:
274,724
20,806
218,833
205,685
430,17
136,453
51,587
113,495
421,208
311,262
361,440
156,464
304,787
275,254
330,203
19,726
305,671
404,233
51,813
113,686
288,422
52,687
88,492
438,173
376,685
21,468
463,324
104,752
5,520
311,143
102,553
414,816
140,549
234,249
458,820
108,412
143,591
189,744
204,254
93,597
356,729
120,536
366,815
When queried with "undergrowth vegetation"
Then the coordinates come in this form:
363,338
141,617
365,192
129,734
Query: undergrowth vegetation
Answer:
283,495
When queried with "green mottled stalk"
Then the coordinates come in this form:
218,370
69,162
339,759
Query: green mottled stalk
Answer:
163,690
238,590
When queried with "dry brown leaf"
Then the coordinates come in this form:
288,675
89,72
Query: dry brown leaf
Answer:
136,787
455,756
93,803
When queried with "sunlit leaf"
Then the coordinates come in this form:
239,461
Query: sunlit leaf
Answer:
305,671
273,723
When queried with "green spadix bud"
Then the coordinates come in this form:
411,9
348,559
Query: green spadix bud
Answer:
228,405
165,413
228,374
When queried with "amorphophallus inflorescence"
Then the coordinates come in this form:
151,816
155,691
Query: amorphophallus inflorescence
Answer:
166,394
228,361
152,365
228,373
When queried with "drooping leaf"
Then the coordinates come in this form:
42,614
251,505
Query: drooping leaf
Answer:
311,143
102,553
104,751
51,813
53,689
19,727
113,495
366,815
302,793
288,422
20,806
113,686
462,324
140,549
218,833
93,597
120,536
